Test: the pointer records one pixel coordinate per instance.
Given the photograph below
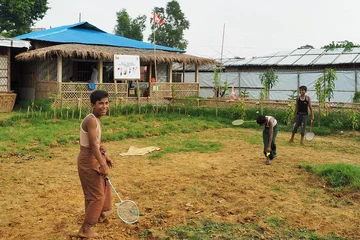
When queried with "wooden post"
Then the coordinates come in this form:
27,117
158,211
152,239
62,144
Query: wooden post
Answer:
116,93
59,76
170,72
138,95
356,81
298,80
59,69
196,72
239,79
101,72
150,72
183,73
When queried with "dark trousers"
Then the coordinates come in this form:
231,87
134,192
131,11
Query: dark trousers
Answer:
300,120
266,136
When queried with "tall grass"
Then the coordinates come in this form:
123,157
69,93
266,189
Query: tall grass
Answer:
34,126
332,122
338,175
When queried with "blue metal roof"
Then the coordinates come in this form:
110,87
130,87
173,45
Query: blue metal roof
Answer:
86,33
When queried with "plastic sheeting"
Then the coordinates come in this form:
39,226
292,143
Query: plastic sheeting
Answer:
288,82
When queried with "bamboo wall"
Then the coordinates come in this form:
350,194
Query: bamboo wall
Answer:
76,95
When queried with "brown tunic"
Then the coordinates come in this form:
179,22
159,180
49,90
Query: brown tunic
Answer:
97,191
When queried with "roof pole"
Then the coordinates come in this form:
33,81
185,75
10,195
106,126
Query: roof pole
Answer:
222,50
154,49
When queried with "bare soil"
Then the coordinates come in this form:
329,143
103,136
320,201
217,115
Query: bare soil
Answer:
41,196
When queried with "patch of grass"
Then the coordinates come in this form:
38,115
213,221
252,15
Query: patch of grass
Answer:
253,139
276,188
202,230
208,229
338,175
191,144
274,222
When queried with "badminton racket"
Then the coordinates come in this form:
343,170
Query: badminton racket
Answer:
127,210
309,136
239,122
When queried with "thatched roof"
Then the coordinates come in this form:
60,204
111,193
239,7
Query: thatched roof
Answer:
107,54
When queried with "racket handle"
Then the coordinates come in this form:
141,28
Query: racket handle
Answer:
113,188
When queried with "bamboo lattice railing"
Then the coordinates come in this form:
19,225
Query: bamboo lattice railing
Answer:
76,95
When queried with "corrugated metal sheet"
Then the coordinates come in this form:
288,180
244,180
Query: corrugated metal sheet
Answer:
8,42
303,57
306,60
289,60
85,33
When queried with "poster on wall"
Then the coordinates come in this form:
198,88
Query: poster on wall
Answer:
126,67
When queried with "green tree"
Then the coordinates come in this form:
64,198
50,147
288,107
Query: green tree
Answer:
347,45
324,87
171,33
130,28
268,80
18,16
307,46
219,91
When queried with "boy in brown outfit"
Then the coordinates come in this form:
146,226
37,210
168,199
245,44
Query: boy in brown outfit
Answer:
93,166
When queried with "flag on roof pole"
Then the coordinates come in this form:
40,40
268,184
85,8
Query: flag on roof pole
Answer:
157,19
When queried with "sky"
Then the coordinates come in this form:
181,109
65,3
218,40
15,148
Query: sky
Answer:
229,28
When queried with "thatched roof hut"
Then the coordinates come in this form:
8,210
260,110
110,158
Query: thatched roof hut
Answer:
107,54
79,53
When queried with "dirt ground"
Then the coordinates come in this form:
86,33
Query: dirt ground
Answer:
41,196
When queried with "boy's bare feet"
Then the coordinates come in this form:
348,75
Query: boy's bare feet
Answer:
86,232
291,140
103,217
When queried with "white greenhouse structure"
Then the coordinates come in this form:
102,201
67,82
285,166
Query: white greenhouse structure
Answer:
293,68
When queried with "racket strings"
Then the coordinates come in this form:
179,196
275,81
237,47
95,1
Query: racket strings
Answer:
128,211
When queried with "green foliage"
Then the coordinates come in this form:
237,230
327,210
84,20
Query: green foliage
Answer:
354,119
208,229
347,45
239,109
337,175
171,33
50,128
174,91
36,105
244,93
130,28
293,95
324,87
268,80
274,222
219,91
290,113
307,46
17,16
356,98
